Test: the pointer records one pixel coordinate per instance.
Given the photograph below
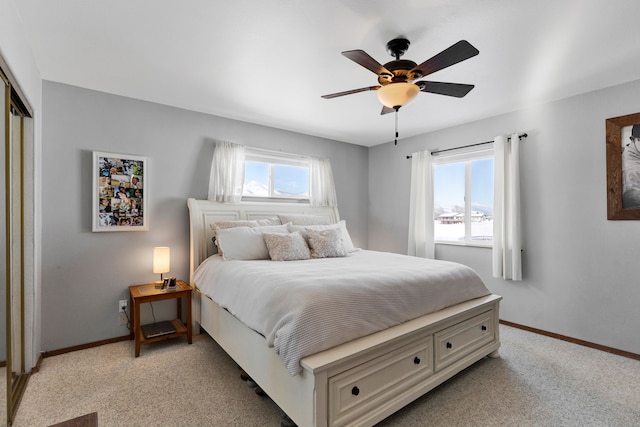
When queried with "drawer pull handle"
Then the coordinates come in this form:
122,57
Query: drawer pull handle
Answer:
449,345
355,391
484,328
416,360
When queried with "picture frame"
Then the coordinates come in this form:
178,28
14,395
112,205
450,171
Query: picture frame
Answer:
120,192
623,167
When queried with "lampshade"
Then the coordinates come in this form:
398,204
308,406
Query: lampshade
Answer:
161,260
397,94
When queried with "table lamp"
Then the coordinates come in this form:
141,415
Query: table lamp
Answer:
161,261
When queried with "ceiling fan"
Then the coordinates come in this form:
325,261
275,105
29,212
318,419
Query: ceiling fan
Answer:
397,86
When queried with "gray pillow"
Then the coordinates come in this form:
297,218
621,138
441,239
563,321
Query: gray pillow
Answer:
326,244
287,246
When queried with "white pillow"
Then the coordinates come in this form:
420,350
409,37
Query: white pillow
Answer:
326,243
287,247
246,243
304,219
218,225
341,226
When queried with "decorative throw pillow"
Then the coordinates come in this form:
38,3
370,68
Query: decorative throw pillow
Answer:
246,243
326,244
287,246
304,219
340,226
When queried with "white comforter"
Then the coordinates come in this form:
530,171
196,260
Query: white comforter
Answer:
303,307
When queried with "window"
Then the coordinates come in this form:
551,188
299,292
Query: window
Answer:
463,198
270,175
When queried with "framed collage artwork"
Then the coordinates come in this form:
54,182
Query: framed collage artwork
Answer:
120,192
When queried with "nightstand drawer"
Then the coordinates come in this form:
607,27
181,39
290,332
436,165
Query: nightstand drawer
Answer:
354,392
458,340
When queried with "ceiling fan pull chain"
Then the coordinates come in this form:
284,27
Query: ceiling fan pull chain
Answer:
396,140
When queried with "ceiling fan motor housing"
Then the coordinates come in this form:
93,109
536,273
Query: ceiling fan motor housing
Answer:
400,69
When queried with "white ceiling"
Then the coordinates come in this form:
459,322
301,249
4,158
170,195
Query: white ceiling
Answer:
269,61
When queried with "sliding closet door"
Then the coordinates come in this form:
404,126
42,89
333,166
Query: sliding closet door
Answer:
6,383
14,115
16,238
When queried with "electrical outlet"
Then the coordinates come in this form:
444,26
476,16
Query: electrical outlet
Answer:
122,312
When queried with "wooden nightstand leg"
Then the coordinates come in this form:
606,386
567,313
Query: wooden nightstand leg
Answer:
189,327
136,326
131,318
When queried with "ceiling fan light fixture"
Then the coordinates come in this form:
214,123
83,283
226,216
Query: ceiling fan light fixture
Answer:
397,94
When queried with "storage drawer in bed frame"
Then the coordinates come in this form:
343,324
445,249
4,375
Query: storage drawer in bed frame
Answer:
458,340
359,389
356,393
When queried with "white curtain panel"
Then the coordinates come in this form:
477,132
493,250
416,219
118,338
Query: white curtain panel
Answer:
322,190
227,172
507,235
421,240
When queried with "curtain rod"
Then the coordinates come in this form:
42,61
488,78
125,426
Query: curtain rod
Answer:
524,135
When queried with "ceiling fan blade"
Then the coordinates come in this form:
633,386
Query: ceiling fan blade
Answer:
449,89
349,92
448,57
386,110
363,58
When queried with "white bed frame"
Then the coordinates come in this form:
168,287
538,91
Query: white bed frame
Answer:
357,383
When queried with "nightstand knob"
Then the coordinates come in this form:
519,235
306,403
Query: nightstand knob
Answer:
484,328
449,345
416,360
355,391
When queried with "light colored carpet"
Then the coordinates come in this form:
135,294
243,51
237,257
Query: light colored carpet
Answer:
539,381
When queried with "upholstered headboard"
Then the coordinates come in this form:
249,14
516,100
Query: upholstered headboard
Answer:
204,212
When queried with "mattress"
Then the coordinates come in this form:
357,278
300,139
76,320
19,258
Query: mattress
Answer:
303,307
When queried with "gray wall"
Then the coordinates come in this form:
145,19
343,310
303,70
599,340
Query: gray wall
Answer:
84,274
580,270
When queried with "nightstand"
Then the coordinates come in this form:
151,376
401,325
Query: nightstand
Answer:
139,294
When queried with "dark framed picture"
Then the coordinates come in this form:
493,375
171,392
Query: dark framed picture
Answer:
120,192
623,167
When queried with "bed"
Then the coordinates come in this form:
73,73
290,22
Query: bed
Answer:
357,382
